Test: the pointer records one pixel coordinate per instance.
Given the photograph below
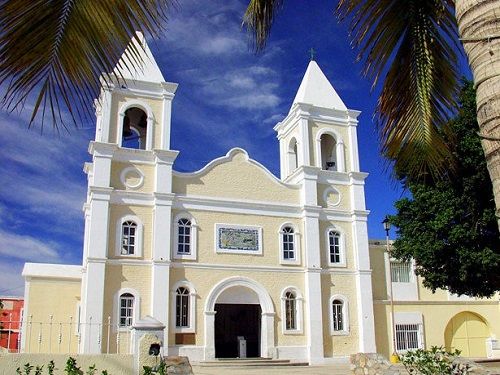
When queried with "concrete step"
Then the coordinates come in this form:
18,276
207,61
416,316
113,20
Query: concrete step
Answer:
249,362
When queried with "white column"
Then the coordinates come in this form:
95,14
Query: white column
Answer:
362,264
160,296
304,140
105,119
267,348
165,122
353,140
209,335
340,153
313,300
93,302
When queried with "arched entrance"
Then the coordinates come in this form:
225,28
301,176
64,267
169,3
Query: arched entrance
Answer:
467,332
239,306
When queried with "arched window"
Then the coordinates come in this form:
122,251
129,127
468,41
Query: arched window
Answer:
335,247
291,309
293,158
126,313
182,307
184,237
339,316
288,243
328,146
135,129
129,238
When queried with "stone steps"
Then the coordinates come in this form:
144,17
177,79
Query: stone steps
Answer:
250,362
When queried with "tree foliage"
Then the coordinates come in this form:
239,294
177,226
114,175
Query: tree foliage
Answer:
449,226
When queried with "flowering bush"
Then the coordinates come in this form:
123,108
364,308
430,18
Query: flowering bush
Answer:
434,361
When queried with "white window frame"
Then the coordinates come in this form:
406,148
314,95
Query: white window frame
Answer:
136,309
193,254
342,254
296,244
299,303
139,236
191,328
345,315
408,264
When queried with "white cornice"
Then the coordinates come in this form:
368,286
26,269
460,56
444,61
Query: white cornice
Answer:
52,271
237,267
442,302
237,206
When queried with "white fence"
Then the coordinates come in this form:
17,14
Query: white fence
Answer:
52,336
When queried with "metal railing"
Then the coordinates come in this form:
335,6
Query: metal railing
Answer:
35,335
401,272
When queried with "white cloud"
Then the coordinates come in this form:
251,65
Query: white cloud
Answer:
27,248
222,45
11,280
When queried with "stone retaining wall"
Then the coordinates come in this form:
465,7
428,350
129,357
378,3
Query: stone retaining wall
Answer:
373,364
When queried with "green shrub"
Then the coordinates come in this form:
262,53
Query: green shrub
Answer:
432,362
70,369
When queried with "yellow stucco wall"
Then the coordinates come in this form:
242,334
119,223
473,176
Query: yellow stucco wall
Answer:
136,277
206,220
346,231
274,282
437,309
236,179
56,298
147,171
345,198
144,214
119,100
345,285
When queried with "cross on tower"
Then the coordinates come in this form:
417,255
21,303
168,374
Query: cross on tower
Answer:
313,53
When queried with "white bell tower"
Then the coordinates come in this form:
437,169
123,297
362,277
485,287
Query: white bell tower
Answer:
132,144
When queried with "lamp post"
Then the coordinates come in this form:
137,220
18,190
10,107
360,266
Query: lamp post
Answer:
387,228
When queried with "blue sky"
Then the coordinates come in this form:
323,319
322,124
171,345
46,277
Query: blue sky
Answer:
227,97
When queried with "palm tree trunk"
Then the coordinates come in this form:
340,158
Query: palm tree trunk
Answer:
479,28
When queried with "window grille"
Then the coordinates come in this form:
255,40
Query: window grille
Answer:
126,309
338,315
182,307
184,236
290,311
288,243
334,246
401,272
129,237
407,337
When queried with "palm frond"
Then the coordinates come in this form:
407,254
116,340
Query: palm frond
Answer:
412,43
56,51
259,18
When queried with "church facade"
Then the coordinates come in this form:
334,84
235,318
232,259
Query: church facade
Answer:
230,250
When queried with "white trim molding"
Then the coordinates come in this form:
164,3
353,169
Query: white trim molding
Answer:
267,348
295,243
138,237
345,315
129,171
339,149
191,328
299,300
193,237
